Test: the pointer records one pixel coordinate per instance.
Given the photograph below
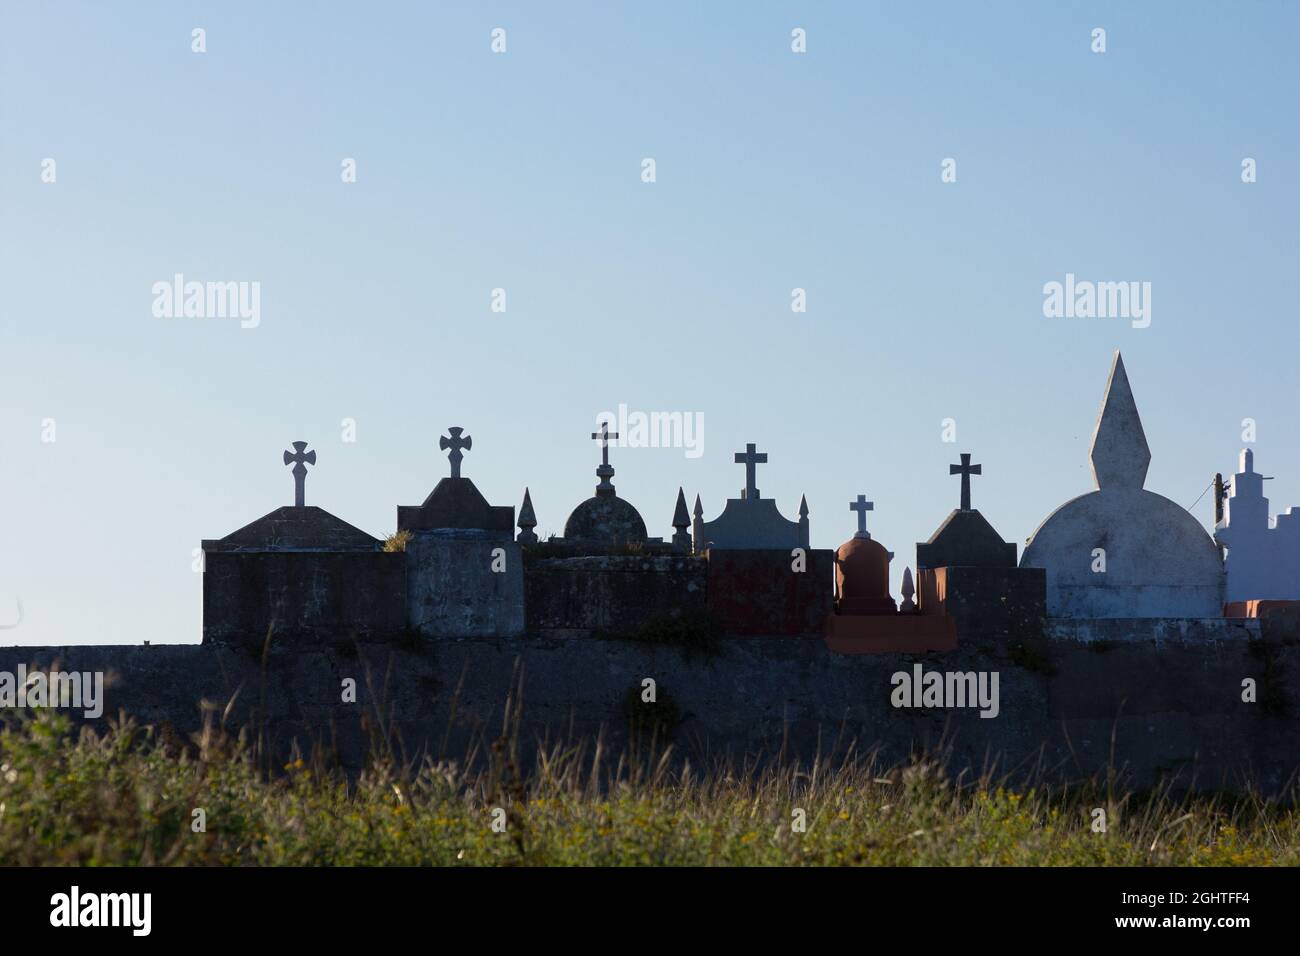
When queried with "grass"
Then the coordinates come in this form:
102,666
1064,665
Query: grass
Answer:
397,541
127,796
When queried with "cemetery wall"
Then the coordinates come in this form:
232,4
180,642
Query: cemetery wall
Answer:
309,596
610,594
1167,708
752,591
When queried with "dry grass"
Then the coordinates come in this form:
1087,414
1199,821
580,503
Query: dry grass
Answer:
127,796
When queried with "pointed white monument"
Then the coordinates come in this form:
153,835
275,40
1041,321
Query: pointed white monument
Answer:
1122,551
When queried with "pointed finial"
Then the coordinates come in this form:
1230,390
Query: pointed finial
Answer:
681,517
803,506
681,521
1119,453
527,521
908,591
698,544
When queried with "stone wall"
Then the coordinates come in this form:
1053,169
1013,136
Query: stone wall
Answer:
758,592
309,596
1155,707
610,594
464,583
991,600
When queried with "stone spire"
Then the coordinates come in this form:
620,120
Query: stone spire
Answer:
681,521
527,521
697,527
803,520
1119,453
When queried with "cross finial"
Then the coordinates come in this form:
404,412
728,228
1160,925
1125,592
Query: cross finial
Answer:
606,470
751,458
300,458
862,506
965,469
455,443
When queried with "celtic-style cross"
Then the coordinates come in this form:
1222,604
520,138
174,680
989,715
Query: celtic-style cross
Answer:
300,459
455,443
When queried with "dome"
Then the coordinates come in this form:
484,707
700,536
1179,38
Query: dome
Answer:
862,577
1158,560
605,519
1123,551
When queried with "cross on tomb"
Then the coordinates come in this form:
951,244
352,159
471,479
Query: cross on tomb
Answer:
751,459
862,506
300,458
455,443
605,471
965,469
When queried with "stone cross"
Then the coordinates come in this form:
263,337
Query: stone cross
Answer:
965,469
300,458
605,471
862,506
455,443
751,459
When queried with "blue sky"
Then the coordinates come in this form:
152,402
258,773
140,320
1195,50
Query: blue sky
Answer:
522,171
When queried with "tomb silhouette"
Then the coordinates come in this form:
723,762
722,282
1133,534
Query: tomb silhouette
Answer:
1122,551
1263,556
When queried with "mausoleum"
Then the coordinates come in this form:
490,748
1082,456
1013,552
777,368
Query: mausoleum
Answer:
465,573
968,573
1122,551
302,573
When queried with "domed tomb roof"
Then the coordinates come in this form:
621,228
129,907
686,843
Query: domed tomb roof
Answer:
862,569
1123,551
605,518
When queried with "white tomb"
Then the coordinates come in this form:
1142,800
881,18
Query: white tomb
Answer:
1122,551
1263,561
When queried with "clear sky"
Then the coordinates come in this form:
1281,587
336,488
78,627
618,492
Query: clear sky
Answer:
522,171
